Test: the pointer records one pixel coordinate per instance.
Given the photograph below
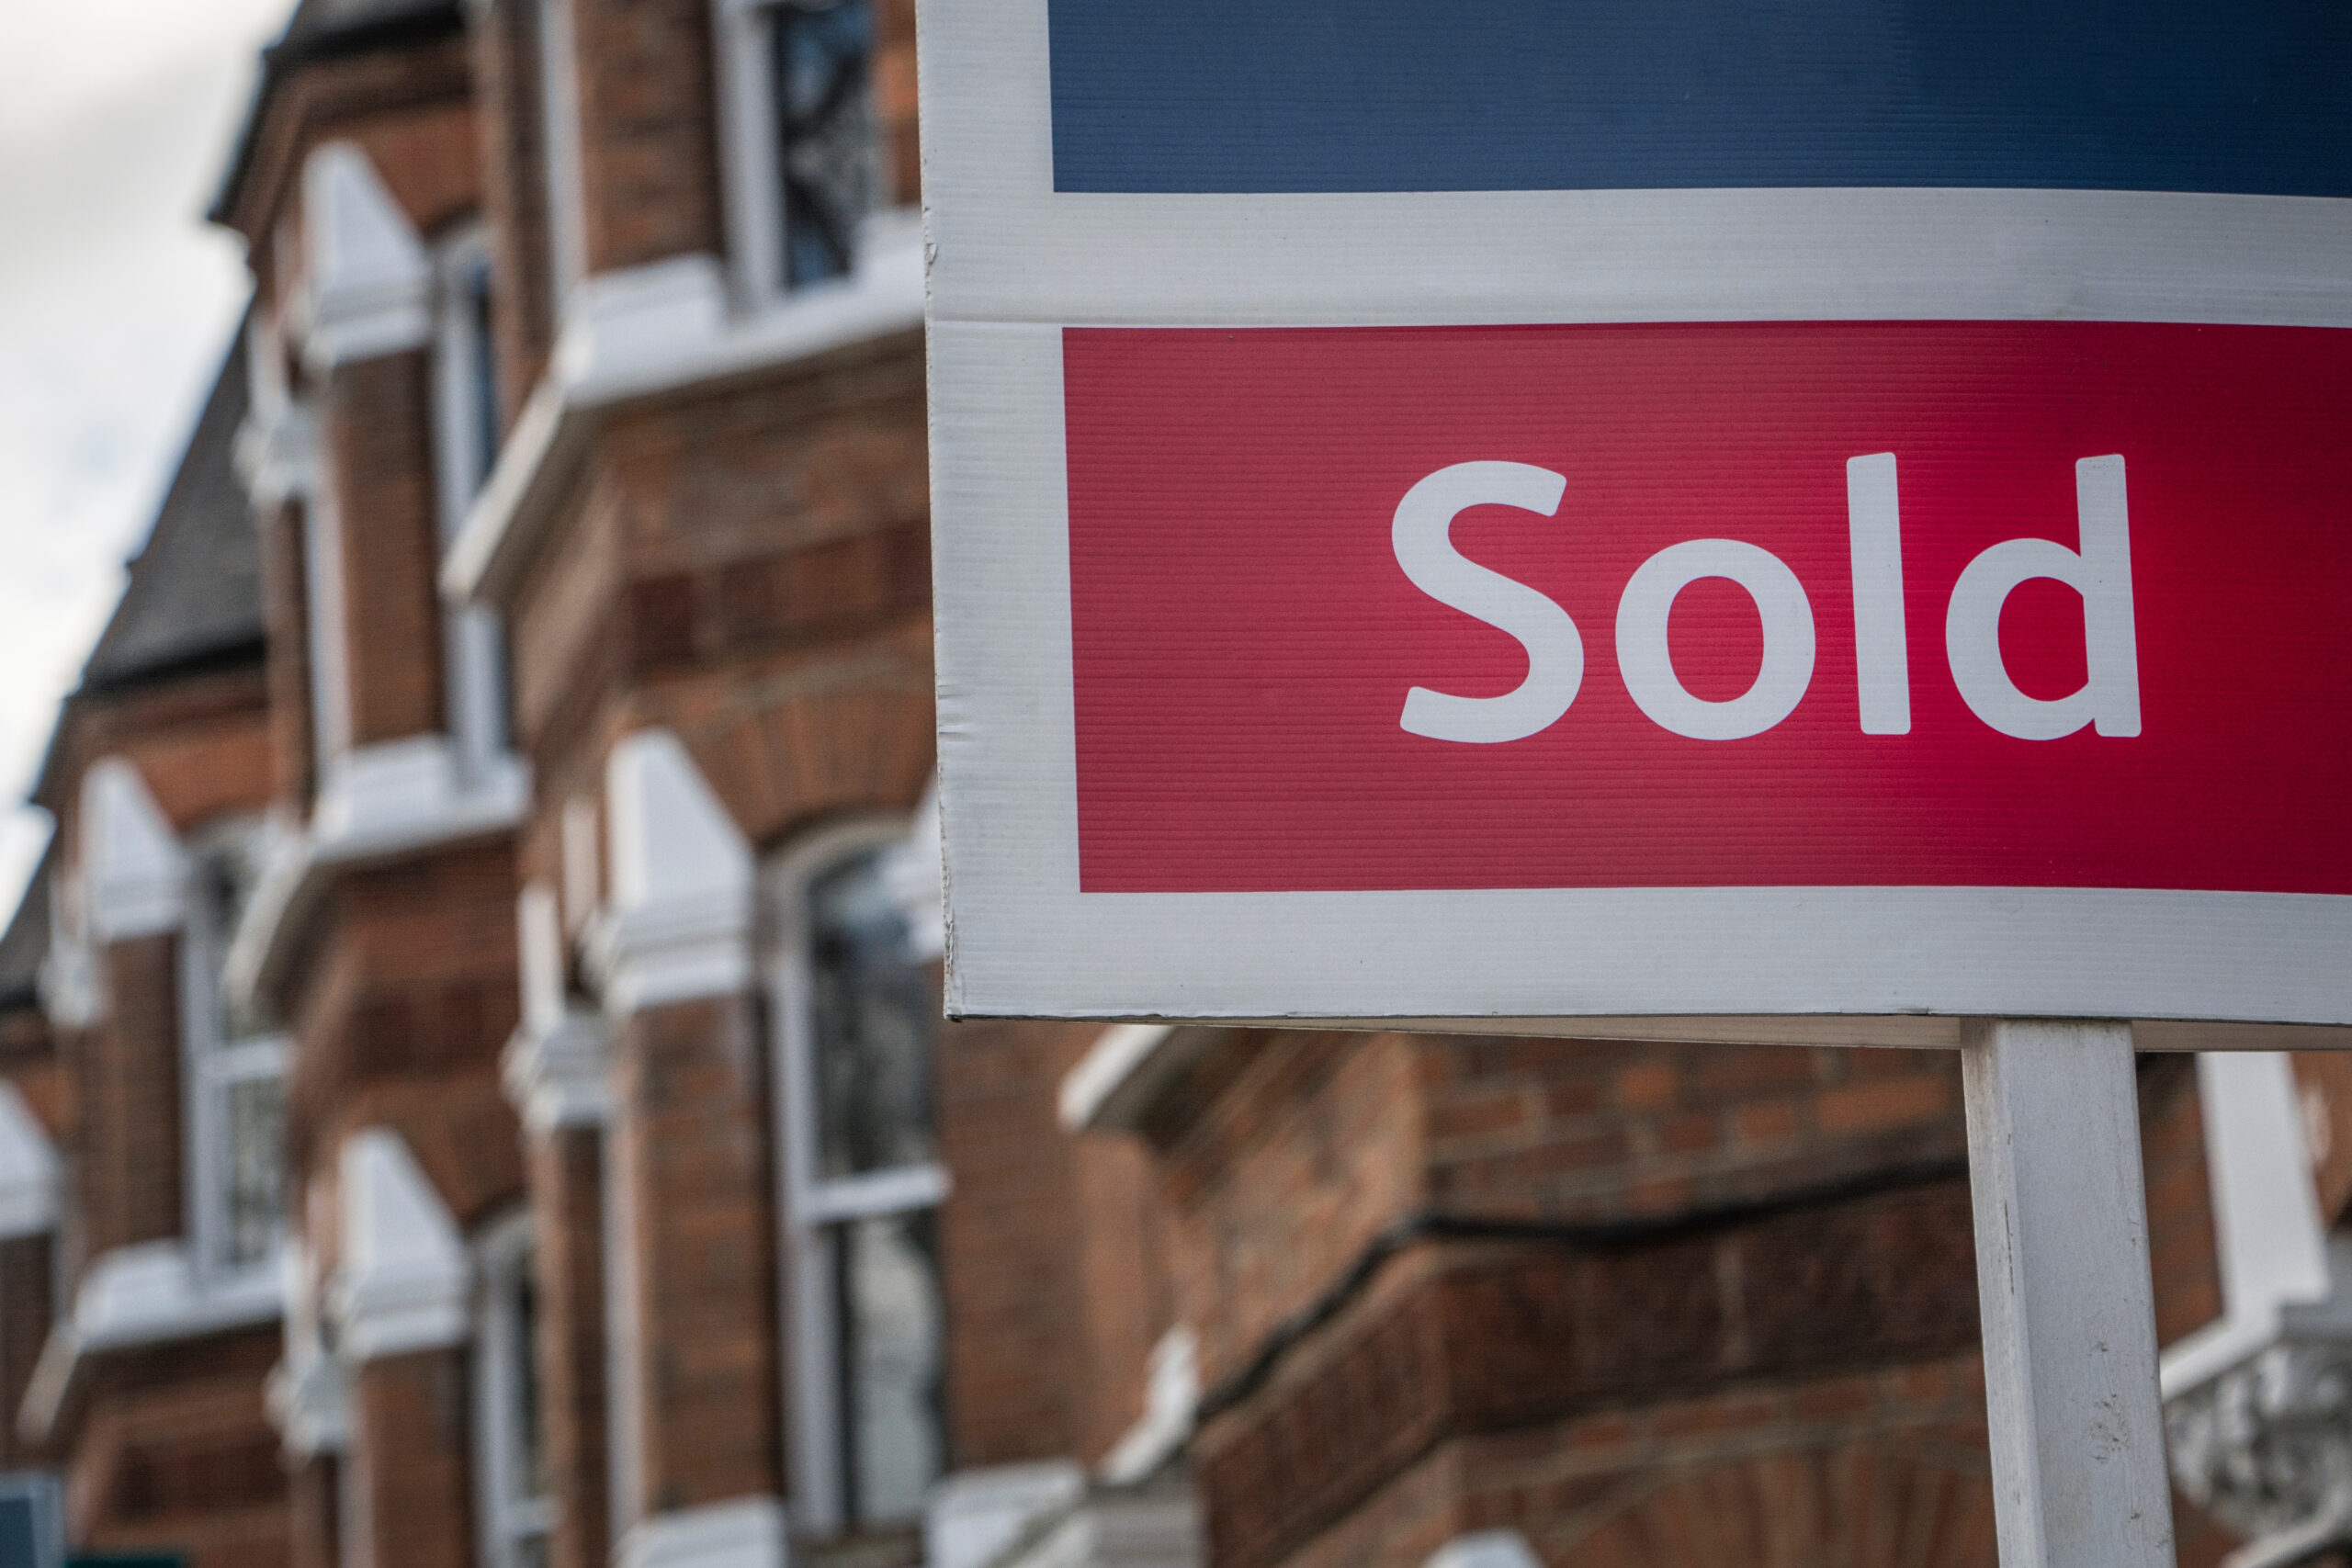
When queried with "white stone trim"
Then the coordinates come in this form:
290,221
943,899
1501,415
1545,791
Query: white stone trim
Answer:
369,283
69,981
975,1515
1172,1395
555,1067
746,1533
29,1169
662,328
278,457
1115,1084
678,918
132,864
1160,1527
308,1398
1485,1548
557,1079
308,1392
2266,1213
405,1281
396,796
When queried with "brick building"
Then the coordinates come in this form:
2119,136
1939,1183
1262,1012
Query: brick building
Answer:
473,1086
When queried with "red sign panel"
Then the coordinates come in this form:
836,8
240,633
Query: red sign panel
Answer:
2023,605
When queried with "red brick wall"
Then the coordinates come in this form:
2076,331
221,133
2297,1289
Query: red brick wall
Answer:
1008,1242
2184,1253
1126,1300
314,1513
376,419
405,998
287,613
515,193
2324,1078
567,1210
174,1453
689,1139
412,1447
648,143
407,107
127,1167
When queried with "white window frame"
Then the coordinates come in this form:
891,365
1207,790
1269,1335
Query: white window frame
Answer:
751,183
813,1207
210,1069
474,643
560,104
506,1256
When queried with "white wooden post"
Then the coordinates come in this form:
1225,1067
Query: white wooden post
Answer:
2061,1267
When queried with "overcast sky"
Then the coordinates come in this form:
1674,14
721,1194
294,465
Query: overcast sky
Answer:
116,303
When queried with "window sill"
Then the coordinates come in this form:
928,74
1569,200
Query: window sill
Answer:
384,800
663,328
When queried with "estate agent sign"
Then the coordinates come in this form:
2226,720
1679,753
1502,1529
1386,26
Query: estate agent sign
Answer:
1752,519
1521,508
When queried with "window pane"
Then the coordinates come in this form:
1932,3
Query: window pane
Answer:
481,373
872,1017
529,1465
893,1348
824,104
225,878
255,1127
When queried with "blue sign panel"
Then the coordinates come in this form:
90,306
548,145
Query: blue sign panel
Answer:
1244,97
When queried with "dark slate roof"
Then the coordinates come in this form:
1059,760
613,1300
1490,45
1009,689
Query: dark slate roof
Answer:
323,30
26,945
194,591
315,20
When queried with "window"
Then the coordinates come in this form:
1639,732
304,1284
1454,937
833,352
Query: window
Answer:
467,432
805,169
855,999
236,1068
821,57
510,1444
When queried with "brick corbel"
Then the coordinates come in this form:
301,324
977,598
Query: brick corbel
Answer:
405,1278
369,284
678,924
133,868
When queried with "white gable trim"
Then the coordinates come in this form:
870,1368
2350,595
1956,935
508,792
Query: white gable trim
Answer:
678,920
370,284
405,1279
132,861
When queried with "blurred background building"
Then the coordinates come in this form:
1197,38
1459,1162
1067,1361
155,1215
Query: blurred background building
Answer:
474,1092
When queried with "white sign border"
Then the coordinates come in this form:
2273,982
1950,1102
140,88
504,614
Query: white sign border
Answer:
1012,263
